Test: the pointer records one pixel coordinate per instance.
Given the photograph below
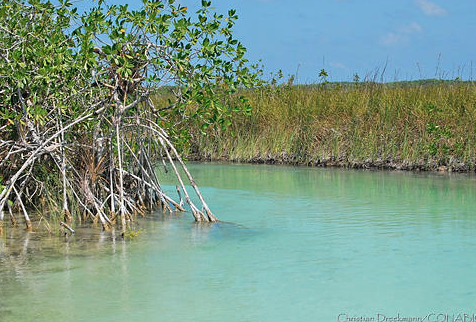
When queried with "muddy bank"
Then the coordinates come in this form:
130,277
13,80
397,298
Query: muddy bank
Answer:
451,165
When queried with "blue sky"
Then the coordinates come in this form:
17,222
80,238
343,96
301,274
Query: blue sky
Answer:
412,38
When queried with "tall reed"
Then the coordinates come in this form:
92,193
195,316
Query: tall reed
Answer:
401,125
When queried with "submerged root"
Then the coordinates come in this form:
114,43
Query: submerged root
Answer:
13,221
101,187
28,225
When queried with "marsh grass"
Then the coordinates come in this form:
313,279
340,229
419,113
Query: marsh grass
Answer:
408,125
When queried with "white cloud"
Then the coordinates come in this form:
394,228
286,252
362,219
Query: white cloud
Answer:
401,35
337,65
392,39
411,28
430,9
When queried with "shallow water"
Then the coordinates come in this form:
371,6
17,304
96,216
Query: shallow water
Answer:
296,244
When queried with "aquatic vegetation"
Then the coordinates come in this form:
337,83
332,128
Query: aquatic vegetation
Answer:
131,234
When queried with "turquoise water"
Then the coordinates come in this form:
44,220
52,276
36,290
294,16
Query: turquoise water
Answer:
296,244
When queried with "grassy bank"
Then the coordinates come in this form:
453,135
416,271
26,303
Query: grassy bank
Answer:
410,126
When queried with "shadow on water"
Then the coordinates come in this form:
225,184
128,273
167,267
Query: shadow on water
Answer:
221,231
23,249
38,262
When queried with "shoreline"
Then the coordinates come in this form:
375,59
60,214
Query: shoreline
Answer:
453,166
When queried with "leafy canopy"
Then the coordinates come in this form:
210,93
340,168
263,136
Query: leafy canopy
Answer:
52,58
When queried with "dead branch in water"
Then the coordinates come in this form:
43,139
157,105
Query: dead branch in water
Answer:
65,225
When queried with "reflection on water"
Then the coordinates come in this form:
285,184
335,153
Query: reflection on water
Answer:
295,244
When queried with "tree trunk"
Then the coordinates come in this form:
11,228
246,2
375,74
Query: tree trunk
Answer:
66,213
121,182
111,182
